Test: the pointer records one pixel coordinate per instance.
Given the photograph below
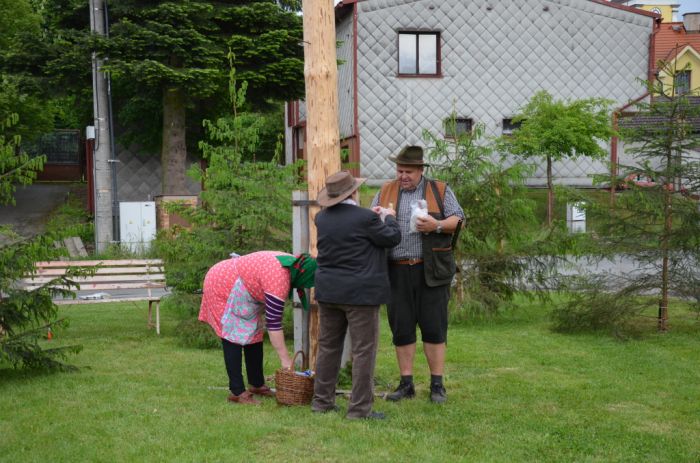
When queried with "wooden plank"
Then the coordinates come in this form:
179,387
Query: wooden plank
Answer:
70,246
88,286
106,271
153,277
104,263
109,299
78,245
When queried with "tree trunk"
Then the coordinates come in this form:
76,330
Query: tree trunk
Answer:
174,150
550,192
663,303
323,139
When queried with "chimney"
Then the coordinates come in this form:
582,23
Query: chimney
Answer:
691,22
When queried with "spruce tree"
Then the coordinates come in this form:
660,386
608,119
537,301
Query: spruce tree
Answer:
502,250
26,316
654,224
168,64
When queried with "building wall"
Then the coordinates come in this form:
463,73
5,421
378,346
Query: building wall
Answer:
495,57
346,125
668,8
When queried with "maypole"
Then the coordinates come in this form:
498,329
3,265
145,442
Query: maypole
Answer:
322,136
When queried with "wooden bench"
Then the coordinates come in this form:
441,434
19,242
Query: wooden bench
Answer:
109,275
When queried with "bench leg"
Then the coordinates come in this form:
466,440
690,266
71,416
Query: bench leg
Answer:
150,324
157,317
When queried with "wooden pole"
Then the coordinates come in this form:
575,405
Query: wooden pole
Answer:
322,136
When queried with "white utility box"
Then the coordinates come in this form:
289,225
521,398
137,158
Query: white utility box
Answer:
137,225
576,217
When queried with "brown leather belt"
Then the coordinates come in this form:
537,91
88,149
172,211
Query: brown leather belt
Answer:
406,262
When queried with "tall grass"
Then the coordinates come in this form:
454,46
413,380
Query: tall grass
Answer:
517,392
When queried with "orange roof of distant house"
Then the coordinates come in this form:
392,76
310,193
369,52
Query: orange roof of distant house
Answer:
671,39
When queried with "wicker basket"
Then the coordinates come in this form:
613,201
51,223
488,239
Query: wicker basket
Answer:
291,388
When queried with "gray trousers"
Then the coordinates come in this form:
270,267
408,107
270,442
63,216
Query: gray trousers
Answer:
363,323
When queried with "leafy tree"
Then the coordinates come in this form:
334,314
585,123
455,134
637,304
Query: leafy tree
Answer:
25,316
555,130
655,226
502,249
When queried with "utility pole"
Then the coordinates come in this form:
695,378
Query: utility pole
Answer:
322,135
103,164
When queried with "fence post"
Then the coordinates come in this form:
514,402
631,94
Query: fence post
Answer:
300,243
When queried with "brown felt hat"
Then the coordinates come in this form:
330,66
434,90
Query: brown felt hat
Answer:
338,187
410,156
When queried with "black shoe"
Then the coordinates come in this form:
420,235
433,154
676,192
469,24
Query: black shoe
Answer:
371,416
438,395
404,391
334,408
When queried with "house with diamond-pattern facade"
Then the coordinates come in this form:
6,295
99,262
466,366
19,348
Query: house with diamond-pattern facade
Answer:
406,65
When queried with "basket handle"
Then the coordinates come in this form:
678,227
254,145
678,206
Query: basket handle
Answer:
294,360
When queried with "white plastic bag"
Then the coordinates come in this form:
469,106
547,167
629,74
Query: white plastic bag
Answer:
418,209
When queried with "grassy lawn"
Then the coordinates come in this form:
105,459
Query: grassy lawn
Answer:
517,392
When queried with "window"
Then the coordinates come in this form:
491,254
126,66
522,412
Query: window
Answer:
509,126
682,82
419,53
457,126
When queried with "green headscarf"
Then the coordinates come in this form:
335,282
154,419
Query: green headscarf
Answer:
302,268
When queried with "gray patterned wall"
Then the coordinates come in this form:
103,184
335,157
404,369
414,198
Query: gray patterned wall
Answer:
139,176
493,61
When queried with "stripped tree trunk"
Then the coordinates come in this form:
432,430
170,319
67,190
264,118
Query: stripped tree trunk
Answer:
323,142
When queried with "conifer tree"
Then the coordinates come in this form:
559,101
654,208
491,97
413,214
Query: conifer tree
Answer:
168,64
502,249
25,316
655,224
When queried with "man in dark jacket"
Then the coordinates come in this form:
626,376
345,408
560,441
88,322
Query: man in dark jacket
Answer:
351,282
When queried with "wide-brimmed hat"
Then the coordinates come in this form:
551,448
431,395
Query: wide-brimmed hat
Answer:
338,187
410,156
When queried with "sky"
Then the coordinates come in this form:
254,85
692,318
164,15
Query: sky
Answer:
688,6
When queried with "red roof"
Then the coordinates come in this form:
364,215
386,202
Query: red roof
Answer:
626,8
671,39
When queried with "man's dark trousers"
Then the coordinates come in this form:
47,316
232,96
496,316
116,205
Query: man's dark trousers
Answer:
363,324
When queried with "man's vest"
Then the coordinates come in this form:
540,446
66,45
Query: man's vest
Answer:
438,256
390,194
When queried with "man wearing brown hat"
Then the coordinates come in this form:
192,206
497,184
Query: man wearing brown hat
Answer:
351,283
421,269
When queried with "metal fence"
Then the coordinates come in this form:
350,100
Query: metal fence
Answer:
60,147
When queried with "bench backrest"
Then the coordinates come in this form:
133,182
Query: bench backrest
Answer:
109,274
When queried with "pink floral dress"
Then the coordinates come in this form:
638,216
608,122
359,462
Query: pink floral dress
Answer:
235,291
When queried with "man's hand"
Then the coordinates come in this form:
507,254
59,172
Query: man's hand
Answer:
384,211
426,224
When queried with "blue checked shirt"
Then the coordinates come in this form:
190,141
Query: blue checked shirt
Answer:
411,246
